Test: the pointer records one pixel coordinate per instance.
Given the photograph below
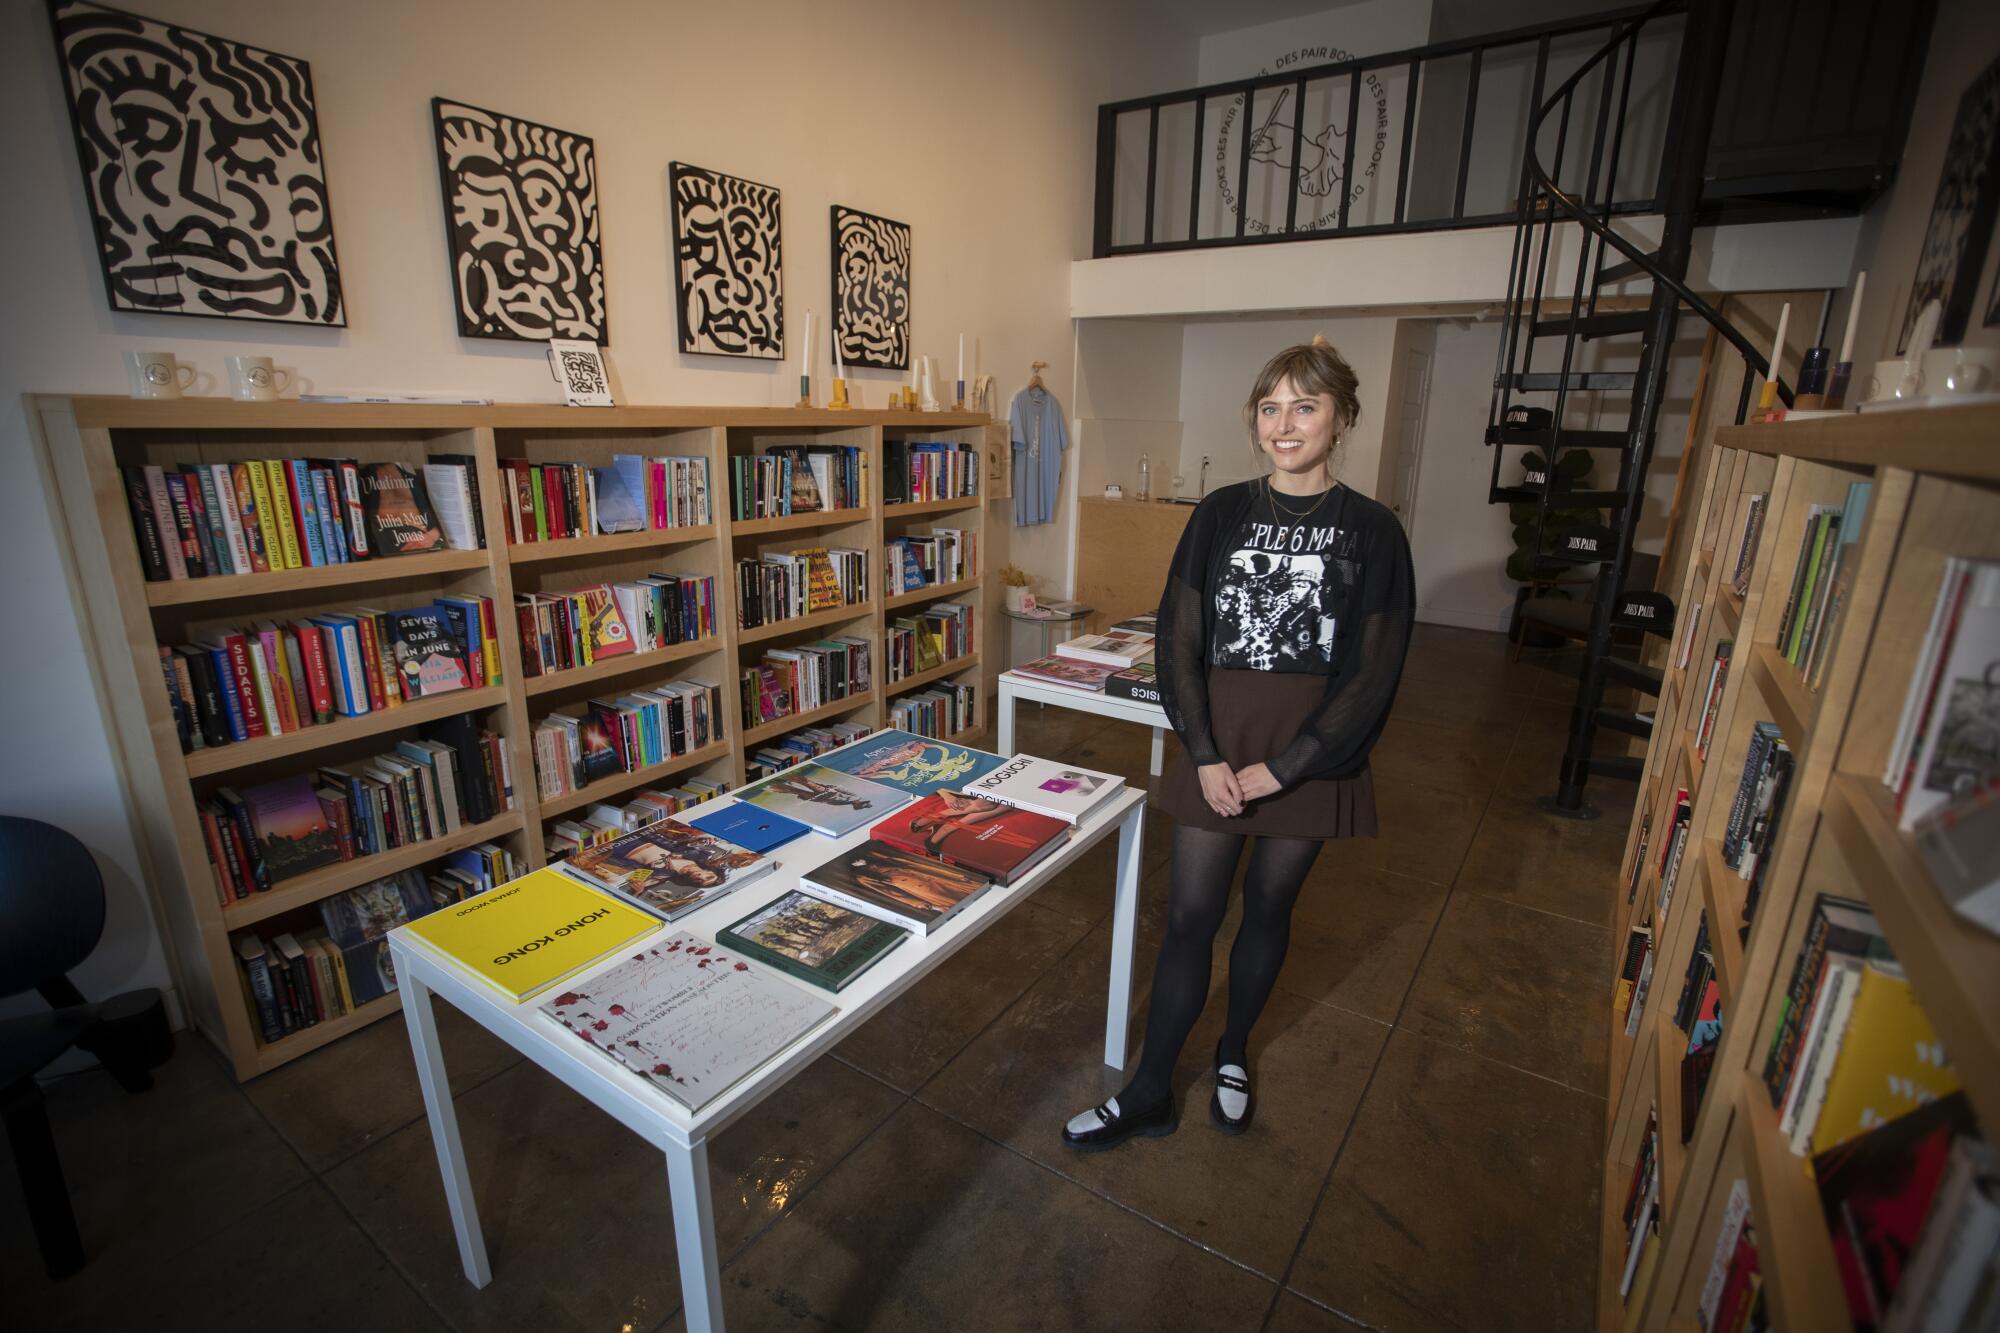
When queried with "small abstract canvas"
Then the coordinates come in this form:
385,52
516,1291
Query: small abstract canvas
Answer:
728,274
871,289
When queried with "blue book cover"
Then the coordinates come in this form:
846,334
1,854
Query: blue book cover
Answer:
621,492
912,763
750,826
306,509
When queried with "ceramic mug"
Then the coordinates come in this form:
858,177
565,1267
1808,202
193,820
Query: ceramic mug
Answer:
253,379
156,375
1961,369
1893,379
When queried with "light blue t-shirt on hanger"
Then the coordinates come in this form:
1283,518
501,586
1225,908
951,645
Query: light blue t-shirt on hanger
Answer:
1040,438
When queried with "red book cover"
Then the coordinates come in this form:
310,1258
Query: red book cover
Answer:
218,859
245,684
246,509
371,661
334,804
999,841
276,669
531,640
319,689
350,494
241,875
524,499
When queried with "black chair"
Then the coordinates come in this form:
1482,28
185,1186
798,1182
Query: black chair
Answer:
51,918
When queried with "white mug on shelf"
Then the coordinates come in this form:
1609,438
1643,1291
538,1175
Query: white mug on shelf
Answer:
1894,379
1960,369
156,375
253,379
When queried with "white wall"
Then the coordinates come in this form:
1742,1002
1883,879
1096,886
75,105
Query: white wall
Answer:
1458,541
971,122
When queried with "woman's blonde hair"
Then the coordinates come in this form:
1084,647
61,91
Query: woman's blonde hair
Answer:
1314,368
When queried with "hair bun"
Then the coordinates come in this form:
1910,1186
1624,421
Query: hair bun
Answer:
1319,340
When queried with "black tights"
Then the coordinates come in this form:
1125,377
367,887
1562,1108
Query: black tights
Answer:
1204,863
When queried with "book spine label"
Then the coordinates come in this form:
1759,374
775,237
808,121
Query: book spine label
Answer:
232,518
319,687
243,680
261,990
260,681
284,525
162,503
207,528
332,537
183,526
301,492
249,518
145,526
266,512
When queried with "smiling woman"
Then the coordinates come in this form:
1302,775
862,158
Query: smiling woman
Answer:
1282,632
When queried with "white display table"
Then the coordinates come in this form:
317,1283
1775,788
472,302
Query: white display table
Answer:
1013,687
681,1136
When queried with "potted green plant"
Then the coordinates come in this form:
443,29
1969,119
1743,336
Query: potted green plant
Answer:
1529,564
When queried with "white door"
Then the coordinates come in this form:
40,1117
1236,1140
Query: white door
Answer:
1409,441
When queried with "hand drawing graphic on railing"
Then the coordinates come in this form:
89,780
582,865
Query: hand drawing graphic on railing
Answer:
1320,157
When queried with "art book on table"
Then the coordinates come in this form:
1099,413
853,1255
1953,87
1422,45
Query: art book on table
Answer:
999,841
912,763
533,932
429,658
692,1019
750,826
396,510
1059,670
668,867
913,891
1061,791
1138,683
813,940
824,799
1114,648
293,835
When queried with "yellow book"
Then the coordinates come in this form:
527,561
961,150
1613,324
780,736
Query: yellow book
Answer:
530,933
1890,1061
338,957
281,512
267,518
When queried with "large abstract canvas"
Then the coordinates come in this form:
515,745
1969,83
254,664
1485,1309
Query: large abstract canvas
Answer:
727,272
202,163
871,289
520,201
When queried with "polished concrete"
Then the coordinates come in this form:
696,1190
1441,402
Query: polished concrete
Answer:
1430,1077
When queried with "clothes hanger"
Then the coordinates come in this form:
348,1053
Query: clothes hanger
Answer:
1035,369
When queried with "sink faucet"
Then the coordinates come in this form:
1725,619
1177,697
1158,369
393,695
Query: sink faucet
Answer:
1201,486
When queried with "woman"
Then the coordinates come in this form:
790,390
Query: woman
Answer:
1281,639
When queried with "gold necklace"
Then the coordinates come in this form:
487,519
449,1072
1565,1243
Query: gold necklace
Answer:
1297,517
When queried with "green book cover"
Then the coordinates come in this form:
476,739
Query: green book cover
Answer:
1820,527
813,940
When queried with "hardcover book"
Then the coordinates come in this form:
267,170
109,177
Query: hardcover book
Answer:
913,763
912,891
668,867
1046,787
531,933
1138,683
359,921
999,841
1113,648
396,509
750,826
824,799
688,1017
429,658
293,835
1058,670
813,940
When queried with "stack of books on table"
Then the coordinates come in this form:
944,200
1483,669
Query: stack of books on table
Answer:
667,867
1117,662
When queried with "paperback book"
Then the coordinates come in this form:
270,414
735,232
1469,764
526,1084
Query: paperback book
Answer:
1046,787
814,940
528,935
911,763
668,867
429,658
293,834
824,799
912,891
999,841
688,1017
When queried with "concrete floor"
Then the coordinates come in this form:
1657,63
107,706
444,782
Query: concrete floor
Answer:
1430,1078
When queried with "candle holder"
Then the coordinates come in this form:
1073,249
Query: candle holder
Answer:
960,407
839,403
805,391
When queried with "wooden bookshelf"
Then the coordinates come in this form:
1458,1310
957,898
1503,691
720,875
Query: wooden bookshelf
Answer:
1935,479
963,662
126,619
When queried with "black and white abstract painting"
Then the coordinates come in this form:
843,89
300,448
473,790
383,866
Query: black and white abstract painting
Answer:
201,160
527,249
1968,197
871,289
728,274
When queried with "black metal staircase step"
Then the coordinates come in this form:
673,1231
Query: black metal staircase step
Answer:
1633,674
1540,382
1571,439
1565,499
1590,326
1626,268
1631,724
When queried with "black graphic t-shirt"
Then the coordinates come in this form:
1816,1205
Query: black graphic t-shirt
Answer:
1274,604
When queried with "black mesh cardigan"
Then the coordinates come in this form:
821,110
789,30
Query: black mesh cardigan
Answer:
1372,598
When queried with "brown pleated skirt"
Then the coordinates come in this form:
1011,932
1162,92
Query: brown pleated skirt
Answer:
1253,716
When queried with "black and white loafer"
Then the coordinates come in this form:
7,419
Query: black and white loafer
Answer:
1103,1127
1229,1106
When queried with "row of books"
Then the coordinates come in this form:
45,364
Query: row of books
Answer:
785,585
940,633
797,479
605,822
1698,1014
1641,1211
272,678
796,680
198,520
624,733
940,711
1732,1293
553,501
919,470
1746,549
796,747
427,787
1711,698
1947,743
562,631
943,555
1754,813
1820,579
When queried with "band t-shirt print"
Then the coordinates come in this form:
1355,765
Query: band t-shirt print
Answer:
1274,602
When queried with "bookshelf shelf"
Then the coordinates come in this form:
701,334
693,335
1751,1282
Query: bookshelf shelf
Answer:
966,735
629,664
818,518
270,1055
957,664
778,629
82,442
1784,691
763,731
244,754
931,592
607,544
309,888
1797,1256
619,783
919,508
244,587
1729,612
1722,893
